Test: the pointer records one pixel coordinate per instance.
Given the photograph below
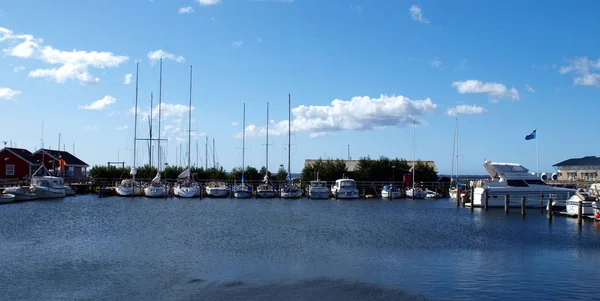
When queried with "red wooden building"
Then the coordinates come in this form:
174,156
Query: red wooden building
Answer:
64,163
17,163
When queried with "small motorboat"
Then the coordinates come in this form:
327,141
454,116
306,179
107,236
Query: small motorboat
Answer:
20,193
7,198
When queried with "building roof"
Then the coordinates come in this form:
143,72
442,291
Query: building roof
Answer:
22,153
352,165
68,157
585,161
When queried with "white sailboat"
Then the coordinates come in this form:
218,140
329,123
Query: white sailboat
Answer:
266,189
454,176
243,190
415,192
186,187
156,187
289,189
130,187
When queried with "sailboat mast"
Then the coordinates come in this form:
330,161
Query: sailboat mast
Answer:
289,133
457,149
150,150
243,141
159,110
206,153
414,155
190,121
137,71
267,156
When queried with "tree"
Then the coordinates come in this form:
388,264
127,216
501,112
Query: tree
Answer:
281,174
327,170
424,172
383,169
252,174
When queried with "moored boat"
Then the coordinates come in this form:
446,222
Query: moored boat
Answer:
588,203
266,189
128,187
217,189
344,189
20,193
391,192
416,193
7,198
318,190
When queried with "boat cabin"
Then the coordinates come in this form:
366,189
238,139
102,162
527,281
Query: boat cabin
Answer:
48,181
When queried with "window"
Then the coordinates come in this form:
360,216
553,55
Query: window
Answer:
572,176
10,170
516,183
535,182
593,176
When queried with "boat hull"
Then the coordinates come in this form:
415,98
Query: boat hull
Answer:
417,195
242,194
266,194
291,194
587,208
394,195
217,193
319,194
155,192
7,198
496,198
186,192
48,193
20,194
128,191
346,194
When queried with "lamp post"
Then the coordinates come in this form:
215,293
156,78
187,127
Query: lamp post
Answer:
393,173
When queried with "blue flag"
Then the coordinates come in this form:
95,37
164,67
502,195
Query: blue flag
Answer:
531,136
289,177
242,178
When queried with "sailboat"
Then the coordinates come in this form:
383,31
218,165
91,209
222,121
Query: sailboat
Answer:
290,190
129,187
243,190
266,189
453,191
186,187
156,187
415,192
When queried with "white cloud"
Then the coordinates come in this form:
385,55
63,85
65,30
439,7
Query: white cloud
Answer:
19,69
417,14
186,10
435,63
529,88
208,2
8,93
466,109
237,44
120,128
167,110
73,64
158,54
259,39
585,69
235,123
473,86
99,104
91,128
493,100
361,113
128,77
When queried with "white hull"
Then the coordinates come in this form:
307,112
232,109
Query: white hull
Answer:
20,194
318,194
217,192
186,192
242,194
127,191
394,195
291,194
453,195
7,198
266,194
48,193
416,194
586,209
345,194
155,192
496,196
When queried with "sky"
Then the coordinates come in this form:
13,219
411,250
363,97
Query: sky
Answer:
365,78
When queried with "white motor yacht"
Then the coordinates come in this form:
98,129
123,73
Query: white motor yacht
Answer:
588,202
318,190
416,193
47,187
515,181
217,190
344,189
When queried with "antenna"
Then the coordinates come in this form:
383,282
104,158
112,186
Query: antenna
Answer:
349,158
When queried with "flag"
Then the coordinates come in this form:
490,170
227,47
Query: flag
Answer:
289,177
531,136
242,178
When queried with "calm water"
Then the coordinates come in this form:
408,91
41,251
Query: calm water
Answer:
217,249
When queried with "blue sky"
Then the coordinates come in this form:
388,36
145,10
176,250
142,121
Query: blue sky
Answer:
359,73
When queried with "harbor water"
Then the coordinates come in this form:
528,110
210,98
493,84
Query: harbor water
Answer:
90,248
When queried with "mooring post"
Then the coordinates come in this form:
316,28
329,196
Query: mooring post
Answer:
523,200
485,199
550,208
541,203
579,211
472,198
457,196
506,203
